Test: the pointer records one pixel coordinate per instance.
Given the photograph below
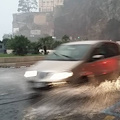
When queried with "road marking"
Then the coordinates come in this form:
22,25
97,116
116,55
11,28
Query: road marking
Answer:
109,118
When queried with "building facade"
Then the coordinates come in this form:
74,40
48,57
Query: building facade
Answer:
33,25
49,5
2,48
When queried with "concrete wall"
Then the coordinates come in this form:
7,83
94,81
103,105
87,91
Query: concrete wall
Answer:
19,61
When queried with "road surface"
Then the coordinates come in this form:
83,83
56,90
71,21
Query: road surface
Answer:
83,102
14,97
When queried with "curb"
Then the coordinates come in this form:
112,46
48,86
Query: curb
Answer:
19,62
17,65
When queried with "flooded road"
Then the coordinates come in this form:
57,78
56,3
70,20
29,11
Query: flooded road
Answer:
82,102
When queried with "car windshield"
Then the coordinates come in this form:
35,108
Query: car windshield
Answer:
69,52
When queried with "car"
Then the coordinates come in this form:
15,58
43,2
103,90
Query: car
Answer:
75,62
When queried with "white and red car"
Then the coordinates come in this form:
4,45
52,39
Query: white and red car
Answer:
75,61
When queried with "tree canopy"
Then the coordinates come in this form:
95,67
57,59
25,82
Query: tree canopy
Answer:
20,45
27,5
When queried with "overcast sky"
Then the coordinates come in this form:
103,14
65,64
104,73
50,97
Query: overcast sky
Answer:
7,8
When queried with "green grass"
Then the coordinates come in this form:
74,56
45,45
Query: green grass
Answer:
12,55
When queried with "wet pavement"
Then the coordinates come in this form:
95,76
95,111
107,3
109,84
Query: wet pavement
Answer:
14,97
84,102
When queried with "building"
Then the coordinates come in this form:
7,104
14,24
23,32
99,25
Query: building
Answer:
37,24
49,5
2,48
33,25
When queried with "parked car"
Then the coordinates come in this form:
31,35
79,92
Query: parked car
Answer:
75,62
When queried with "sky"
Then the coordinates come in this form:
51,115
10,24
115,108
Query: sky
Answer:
7,8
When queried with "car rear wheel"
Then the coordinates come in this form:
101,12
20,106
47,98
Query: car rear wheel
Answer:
82,80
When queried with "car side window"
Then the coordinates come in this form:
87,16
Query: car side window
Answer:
101,50
112,49
107,49
104,51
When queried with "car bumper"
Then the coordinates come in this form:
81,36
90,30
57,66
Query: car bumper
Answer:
38,85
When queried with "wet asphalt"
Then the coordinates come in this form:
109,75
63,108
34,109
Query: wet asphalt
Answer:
14,96
84,102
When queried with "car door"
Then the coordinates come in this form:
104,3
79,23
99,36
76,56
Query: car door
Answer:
104,65
112,57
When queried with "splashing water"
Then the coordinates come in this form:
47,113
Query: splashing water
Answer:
108,86
85,100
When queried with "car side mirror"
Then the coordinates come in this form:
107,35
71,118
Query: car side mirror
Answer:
97,57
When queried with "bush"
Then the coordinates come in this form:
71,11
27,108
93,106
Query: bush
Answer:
20,45
34,47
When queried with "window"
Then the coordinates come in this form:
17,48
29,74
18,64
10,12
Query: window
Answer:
70,52
0,46
112,49
106,49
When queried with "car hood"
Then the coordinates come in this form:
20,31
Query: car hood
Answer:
53,66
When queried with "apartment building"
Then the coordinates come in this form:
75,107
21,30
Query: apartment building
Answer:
49,5
33,25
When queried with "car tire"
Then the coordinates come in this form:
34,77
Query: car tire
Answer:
82,80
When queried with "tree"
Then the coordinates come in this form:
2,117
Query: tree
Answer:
46,43
34,47
56,44
65,38
27,5
20,45
7,43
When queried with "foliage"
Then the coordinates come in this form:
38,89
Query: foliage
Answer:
8,36
27,5
20,45
34,47
6,42
65,39
51,43
56,44
47,41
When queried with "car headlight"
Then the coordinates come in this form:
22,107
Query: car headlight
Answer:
30,74
60,76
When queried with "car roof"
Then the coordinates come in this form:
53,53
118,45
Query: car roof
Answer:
90,42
